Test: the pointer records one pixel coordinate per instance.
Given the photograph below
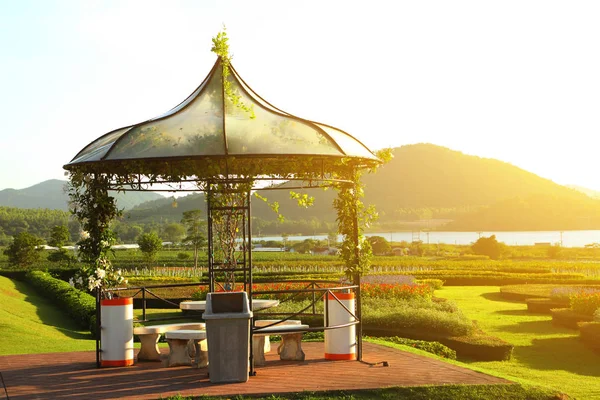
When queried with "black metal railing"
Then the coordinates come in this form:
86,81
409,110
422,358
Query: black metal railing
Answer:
315,288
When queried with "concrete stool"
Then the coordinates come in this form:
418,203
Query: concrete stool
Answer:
178,348
259,323
149,336
290,347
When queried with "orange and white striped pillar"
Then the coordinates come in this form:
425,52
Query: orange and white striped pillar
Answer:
116,332
340,343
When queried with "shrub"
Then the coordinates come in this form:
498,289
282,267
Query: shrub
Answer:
389,279
149,244
24,250
589,333
567,318
77,304
183,256
597,316
477,346
430,347
434,284
399,292
585,302
543,306
554,251
418,314
488,246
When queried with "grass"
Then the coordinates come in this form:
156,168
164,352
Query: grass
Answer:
544,354
446,392
35,326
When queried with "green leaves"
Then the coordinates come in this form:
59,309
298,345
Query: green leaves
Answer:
220,46
304,200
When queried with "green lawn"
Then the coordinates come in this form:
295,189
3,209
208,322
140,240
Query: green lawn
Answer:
29,324
543,354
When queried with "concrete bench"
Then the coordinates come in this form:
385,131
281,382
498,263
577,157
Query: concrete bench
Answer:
259,323
178,347
149,336
291,341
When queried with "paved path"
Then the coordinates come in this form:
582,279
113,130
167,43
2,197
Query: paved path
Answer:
75,376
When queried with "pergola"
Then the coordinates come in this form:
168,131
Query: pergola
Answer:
225,140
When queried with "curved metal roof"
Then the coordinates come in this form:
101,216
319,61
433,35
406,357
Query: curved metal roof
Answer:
223,118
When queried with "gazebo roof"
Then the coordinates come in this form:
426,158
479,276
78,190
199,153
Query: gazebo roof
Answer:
223,122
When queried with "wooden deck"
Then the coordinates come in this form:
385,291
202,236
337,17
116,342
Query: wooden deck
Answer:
75,376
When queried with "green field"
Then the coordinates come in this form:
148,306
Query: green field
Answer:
29,324
35,326
543,354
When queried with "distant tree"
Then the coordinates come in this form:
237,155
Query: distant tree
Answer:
24,250
4,238
195,229
554,251
59,236
129,233
332,238
488,246
150,244
379,245
306,246
74,230
173,232
416,248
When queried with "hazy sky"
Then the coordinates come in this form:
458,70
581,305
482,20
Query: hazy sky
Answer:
514,80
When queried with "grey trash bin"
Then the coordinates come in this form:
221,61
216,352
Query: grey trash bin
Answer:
227,318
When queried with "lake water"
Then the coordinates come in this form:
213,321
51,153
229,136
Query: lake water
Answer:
568,238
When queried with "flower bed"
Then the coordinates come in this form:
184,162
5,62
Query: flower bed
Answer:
585,301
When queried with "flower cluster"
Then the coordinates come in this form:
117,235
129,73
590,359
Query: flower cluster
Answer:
565,293
585,302
102,275
200,294
368,290
393,291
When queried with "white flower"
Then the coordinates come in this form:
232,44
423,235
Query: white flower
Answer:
79,280
100,273
93,283
71,282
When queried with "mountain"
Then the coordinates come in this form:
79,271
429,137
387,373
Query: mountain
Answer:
425,181
51,194
594,194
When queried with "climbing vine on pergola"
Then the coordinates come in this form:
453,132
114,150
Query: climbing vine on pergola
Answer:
223,138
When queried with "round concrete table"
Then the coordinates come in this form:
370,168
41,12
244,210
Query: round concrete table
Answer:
200,305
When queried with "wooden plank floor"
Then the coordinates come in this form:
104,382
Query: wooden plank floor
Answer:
75,376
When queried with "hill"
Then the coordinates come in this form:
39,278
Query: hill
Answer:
425,181
594,194
51,194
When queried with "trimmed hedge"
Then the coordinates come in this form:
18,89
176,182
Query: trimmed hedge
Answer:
589,333
567,318
543,306
14,274
477,347
431,347
77,304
